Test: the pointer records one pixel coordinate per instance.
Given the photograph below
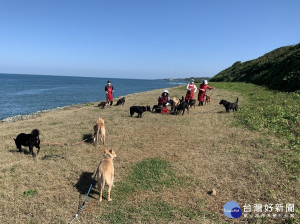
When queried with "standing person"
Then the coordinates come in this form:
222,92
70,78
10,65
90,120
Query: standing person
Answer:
202,91
109,89
191,89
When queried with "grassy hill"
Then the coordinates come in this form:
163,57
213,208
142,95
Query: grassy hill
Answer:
278,69
197,79
165,164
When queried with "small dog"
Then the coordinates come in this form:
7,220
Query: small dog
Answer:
174,103
99,129
121,101
139,110
192,102
207,99
157,108
31,140
103,104
183,105
161,108
228,105
106,173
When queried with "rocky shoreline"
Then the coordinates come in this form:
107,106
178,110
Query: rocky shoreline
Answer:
38,113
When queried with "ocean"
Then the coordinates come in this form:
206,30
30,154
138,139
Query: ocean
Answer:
26,94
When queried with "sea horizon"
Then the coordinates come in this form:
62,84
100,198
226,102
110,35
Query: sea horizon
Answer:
83,76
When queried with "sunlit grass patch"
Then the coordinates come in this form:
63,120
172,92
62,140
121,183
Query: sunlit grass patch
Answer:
267,110
151,174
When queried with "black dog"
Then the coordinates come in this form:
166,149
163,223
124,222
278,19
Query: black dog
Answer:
121,101
30,140
182,106
103,104
192,102
139,110
228,105
173,105
157,108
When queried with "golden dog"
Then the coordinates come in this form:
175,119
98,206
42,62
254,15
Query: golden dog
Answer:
176,101
99,129
106,173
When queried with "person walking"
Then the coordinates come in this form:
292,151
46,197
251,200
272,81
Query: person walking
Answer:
202,91
191,89
109,89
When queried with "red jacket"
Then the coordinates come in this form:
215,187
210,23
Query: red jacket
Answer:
109,94
190,93
202,91
163,99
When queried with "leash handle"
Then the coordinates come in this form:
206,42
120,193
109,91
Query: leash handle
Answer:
75,217
86,196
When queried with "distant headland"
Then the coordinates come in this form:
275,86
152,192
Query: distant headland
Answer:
197,79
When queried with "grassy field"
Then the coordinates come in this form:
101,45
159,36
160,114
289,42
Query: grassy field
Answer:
165,164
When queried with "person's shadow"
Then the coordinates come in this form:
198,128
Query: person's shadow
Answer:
84,183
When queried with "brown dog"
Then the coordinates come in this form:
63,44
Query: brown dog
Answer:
99,129
176,101
207,99
106,173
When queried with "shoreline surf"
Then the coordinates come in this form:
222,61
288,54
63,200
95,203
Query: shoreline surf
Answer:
71,106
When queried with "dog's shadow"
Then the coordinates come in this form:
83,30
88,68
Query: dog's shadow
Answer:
88,138
84,183
24,151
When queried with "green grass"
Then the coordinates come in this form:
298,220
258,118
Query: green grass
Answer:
151,174
266,110
270,111
30,192
260,110
146,210
148,176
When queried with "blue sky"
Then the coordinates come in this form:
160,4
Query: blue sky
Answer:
141,38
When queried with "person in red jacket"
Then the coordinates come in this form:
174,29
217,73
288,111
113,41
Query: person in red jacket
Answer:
163,101
164,98
202,91
109,89
191,89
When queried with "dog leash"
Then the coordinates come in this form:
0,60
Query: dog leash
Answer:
86,196
212,92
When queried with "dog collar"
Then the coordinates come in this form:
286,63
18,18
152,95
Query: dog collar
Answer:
107,156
